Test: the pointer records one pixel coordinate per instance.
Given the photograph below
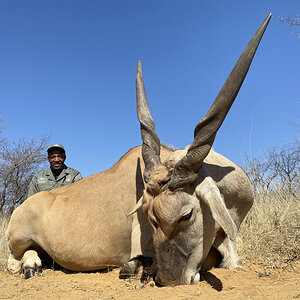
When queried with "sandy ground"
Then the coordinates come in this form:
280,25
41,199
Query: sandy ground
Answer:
251,282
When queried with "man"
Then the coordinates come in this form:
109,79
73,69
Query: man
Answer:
57,175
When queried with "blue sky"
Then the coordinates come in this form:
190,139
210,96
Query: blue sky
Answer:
67,69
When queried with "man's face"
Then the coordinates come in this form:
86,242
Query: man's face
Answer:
56,159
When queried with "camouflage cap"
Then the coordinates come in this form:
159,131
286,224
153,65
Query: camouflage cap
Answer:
56,146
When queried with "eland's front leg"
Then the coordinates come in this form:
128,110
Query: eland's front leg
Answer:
31,264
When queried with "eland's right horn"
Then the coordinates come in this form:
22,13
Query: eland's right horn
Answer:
186,170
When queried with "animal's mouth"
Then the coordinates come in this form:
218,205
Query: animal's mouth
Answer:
190,276
192,280
195,278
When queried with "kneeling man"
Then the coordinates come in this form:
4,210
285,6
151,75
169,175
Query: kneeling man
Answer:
57,175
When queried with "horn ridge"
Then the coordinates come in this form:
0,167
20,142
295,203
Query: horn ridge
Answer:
151,142
205,132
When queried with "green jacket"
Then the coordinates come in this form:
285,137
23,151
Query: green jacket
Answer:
45,180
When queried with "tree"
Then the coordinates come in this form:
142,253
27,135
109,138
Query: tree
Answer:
18,162
279,169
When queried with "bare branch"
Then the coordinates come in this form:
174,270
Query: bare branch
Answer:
280,169
18,163
291,21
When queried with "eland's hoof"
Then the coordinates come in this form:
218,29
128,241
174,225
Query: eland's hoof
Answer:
128,270
29,273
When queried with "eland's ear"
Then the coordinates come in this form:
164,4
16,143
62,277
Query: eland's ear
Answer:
136,207
209,192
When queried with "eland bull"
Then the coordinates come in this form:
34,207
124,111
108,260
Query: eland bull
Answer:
185,210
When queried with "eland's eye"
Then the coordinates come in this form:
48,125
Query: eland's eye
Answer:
186,217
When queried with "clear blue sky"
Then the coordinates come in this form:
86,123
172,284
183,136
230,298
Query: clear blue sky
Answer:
67,68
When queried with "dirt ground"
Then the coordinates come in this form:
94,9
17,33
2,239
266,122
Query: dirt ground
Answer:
251,282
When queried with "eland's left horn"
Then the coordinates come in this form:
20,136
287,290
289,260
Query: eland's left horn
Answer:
151,142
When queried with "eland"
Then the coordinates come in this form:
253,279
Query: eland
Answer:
186,206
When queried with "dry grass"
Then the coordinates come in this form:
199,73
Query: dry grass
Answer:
271,231
3,245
